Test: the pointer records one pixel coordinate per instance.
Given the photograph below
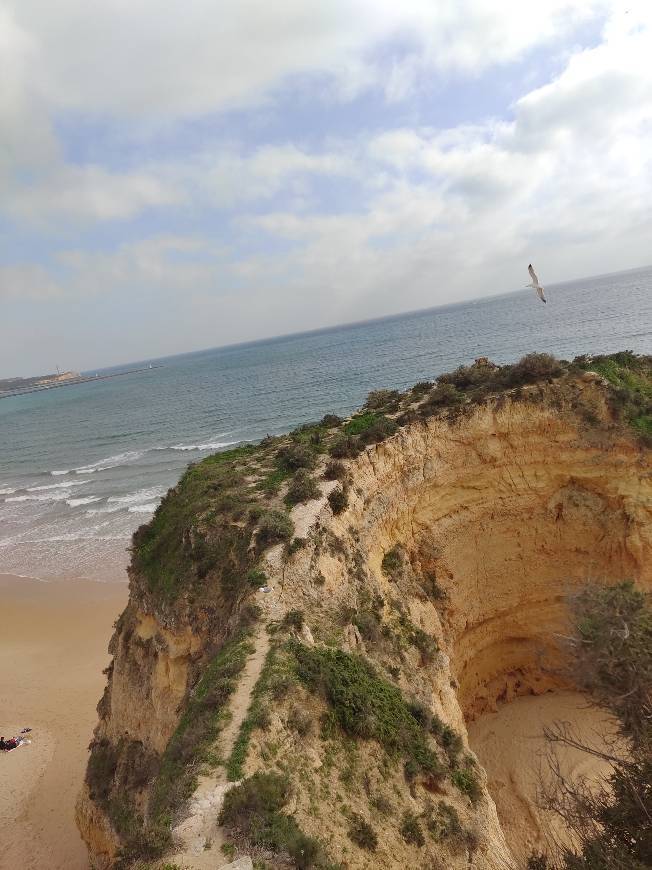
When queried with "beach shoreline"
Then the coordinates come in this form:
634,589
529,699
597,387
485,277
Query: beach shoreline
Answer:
53,648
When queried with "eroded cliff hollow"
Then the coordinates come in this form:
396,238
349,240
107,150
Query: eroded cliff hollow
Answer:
416,562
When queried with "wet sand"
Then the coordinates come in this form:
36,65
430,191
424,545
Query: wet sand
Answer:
512,749
53,648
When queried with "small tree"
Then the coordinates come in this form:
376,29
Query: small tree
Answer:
612,655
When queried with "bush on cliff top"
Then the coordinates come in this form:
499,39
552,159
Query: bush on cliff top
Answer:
630,376
171,553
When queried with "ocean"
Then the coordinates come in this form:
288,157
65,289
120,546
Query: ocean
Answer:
82,466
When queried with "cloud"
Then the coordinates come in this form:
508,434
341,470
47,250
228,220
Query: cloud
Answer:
244,236
140,58
25,281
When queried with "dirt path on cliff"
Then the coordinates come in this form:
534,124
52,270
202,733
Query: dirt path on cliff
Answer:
200,834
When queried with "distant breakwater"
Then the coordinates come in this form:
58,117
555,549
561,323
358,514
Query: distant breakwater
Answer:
73,381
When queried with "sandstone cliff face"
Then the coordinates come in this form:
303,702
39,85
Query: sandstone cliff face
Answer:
495,516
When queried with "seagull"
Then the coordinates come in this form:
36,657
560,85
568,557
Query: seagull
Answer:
534,283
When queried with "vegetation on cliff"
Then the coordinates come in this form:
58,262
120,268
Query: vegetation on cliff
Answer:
353,703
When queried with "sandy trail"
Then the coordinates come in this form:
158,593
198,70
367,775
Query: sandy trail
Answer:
53,642
511,747
201,836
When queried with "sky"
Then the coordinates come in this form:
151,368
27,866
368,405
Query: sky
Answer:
177,176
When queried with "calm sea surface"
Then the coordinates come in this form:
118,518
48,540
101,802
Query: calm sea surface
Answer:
81,467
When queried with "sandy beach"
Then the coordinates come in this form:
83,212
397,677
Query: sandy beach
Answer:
53,648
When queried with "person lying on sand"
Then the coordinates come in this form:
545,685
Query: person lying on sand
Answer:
13,742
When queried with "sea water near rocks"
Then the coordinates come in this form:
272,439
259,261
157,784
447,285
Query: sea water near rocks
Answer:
82,466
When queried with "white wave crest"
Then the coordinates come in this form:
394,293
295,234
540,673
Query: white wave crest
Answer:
142,495
143,508
7,491
58,473
210,445
50,496
105,509
110,462
64,485
75,502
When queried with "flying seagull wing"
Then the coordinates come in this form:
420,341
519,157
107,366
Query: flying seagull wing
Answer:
532,274
541,293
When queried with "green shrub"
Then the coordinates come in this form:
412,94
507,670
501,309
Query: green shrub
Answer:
426,645
466,780
368,624
380,429
392,561
532,368
613,659
335,471
174,550
302,488
294,546
361,833
299,721
421,388
253,809
382,399
292,457
443,824
410,830
330,421
274,526
338,499
444,395
364,704
345,447
256,577
361,422
451,741
381,805
293,619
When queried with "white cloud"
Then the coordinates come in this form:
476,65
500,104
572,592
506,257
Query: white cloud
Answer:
142,58
431,215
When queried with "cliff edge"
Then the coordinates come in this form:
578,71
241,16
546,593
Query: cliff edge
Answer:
394,576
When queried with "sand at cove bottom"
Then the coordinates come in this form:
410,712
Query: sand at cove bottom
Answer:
512,748
53,648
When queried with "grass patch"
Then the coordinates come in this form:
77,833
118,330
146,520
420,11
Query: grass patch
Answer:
273,481
176,549
630,376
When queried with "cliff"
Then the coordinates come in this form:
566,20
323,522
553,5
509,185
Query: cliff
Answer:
418,558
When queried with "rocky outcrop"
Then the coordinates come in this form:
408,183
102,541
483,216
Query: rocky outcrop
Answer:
493,517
